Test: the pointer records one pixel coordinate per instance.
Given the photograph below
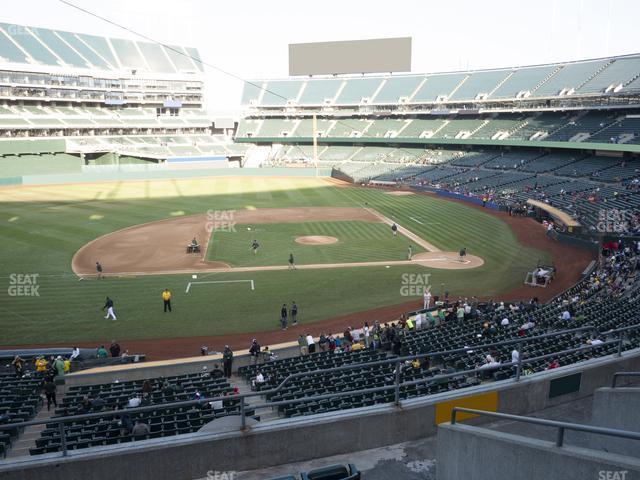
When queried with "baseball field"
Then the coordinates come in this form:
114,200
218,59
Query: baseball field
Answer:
346,258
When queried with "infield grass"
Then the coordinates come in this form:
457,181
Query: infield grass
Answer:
357,242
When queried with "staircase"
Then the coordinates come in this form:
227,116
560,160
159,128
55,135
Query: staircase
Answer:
502,82
482,125
520,126
28,437
594,74
546,79
266,413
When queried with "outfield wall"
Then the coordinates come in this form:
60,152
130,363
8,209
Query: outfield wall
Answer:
318,436
152,172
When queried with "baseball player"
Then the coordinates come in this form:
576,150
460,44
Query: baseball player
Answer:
255,246
99,269
409,252
292,263
426,299
462,253
394,230
108,304
294,313
283,316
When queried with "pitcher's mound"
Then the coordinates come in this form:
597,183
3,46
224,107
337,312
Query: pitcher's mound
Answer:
316,240
447,260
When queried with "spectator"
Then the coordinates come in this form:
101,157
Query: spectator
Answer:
367,335
302,345
553,364
323,343
140,429
114,349
102,352
355,335
50,388
134,402
126,425
75,353
41,364
347,337
147,389
254,351
217,373
227,361
515,355
18,366
311,344
58,366
167,389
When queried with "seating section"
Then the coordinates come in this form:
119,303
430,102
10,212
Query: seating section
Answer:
468,342
603,76
580,127
162,421
577,183
40,46
19,402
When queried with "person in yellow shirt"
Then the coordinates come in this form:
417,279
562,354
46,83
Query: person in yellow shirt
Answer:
356,346
166,298
41,364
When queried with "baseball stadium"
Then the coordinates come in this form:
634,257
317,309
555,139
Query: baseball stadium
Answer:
364,273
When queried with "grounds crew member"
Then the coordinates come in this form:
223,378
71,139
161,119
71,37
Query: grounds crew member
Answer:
166,298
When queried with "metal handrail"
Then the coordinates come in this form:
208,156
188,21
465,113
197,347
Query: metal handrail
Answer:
622,374
562,426
395,386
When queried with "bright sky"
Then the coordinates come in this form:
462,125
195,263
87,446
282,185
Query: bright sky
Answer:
250,38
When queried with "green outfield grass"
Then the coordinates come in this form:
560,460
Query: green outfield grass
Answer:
41,229
357,242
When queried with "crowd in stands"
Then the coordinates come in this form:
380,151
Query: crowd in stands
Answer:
603,300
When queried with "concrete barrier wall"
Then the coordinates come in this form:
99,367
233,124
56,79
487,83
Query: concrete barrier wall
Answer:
306,438
616,408
163,368
464,451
